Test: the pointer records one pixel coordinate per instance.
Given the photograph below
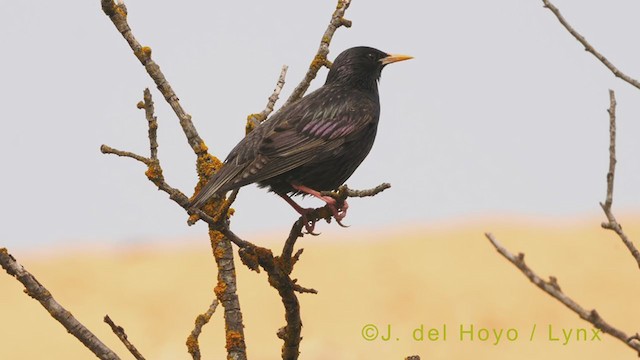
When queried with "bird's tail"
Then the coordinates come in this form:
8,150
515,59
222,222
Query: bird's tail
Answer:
218,183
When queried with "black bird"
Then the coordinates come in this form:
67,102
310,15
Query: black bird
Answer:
314,144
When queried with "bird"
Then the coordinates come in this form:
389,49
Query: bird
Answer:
314,144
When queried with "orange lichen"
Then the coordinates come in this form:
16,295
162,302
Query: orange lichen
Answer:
234,339
218,253
201,148
207,165
220,289
154,172
318,61
193,218
256,116
122,10
249,258
215,236
251,122
146,51
192,344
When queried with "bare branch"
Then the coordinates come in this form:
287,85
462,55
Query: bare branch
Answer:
294,234
320,59
118,15
37,291
192,340
612,151
588,47
254,120
154,171
109,150
552,288
344,191
147,105
303,290
612,224
119,331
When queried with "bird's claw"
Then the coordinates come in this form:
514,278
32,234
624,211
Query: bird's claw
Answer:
338,213
341,224
309,225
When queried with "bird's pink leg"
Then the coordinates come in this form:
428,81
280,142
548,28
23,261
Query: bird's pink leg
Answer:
338,214
308,225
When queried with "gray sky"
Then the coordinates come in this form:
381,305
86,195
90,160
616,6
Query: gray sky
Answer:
501,111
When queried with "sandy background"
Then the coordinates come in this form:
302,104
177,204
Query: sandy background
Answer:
431,274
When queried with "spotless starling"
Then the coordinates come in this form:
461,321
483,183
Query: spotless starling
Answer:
315,143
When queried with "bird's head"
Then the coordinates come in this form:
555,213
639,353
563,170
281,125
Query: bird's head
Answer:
361,66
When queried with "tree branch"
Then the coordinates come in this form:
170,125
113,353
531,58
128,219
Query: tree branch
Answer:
588,47
320,59
226,293
119,331
254,120
279,269
217,211
612,224
118,15
552,288
37,291
192,340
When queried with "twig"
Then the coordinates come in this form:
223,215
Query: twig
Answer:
588,47
37,291
153,123
254,120
412,357
118,15
154,173
294,234
612,224
105,149
344,191
551,287
192,340
119,331
320,59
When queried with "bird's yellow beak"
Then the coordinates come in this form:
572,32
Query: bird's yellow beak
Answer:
391,58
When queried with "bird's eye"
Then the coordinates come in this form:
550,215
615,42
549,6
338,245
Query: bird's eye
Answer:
371,56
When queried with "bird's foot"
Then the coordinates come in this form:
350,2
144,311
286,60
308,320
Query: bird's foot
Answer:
309,225
339,213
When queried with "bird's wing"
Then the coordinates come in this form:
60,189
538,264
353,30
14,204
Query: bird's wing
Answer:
311,129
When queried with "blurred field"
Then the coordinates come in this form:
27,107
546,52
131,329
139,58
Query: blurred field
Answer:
434,275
